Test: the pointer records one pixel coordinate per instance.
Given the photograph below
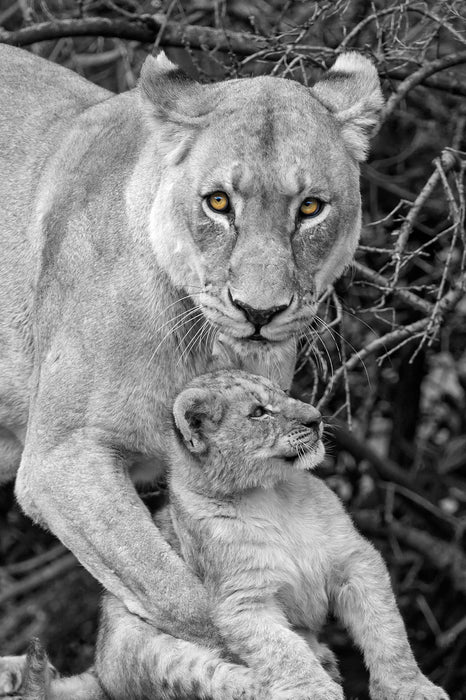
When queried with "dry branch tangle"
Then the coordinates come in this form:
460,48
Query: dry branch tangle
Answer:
145,29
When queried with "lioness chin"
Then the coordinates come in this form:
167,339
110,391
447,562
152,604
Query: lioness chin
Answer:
139,231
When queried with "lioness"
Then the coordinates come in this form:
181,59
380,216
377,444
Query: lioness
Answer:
274,549
133,229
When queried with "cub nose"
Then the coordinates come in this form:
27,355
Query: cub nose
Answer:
313,419
258,317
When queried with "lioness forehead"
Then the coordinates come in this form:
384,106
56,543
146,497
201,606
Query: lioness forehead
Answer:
274,127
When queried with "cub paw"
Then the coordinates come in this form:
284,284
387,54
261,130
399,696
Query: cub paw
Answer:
419,689
11,674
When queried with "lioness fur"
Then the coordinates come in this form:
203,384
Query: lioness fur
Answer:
116,278
275,551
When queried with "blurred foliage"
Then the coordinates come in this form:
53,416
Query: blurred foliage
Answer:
387,357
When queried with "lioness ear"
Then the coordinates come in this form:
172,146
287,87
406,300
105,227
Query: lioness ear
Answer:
196,411
178,103
351,91
172,94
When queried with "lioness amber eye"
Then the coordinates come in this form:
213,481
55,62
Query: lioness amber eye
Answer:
218,201
311,206
258,412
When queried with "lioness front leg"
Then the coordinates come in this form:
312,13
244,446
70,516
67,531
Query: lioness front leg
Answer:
260,635
365,603
81,491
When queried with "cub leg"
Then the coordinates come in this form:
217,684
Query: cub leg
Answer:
324,654
259,634
365,603
135,661
80,490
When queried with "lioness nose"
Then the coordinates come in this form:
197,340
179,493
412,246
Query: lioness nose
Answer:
258,317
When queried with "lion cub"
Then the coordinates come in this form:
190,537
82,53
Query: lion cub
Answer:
275,550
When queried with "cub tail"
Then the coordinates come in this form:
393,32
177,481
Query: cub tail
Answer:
42,682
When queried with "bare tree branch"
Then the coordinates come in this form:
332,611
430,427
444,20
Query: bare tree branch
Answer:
407,297
147,28
418,76
39,577
392,339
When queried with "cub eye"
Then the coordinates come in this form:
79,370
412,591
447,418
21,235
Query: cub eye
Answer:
258,412
218,201
311,206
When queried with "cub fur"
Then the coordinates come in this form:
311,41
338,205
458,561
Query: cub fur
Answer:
275,551
116,275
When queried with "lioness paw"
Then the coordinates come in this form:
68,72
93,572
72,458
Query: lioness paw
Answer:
231,682
419,689
320,690
11,674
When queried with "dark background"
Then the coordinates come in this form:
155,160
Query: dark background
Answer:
387,359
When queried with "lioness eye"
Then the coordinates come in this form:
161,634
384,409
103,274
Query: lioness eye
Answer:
218,201
258,412
311,206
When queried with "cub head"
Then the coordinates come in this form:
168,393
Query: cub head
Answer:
241,431
258,206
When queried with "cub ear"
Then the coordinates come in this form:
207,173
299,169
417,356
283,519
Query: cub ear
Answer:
196,412
351,91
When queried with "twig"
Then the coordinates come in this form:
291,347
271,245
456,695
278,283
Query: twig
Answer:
48,573
407,297
96,60
443,555
359,27
447,638
418,76
385,341
23,567
360,450
393,338
390,10
448,161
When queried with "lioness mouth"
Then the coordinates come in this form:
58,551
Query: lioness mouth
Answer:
257,337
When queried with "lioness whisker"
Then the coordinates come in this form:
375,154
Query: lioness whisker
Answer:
327,328
358,318
317,336
191,344
184,313
345,340
177,301
182,339
177,326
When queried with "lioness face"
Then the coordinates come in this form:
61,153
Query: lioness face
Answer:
264,261
263,208
245,431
